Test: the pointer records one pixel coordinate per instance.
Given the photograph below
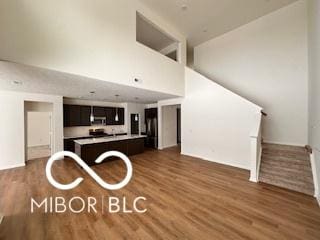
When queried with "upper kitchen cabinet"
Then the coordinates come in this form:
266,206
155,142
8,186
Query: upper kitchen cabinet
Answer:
75,115
99,111
117,112
121,116
109,116
85,112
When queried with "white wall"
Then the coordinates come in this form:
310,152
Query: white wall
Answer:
216,123
314,82
38,121
135,108
169,126
266,61
38,128
12,138
93,38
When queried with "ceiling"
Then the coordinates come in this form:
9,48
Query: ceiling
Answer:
149,35
23,78
201,20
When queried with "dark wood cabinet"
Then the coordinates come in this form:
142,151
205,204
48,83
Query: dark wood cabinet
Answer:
135,146
76,115
99,111
120,146
120,116
90,152
113,112
109,116
85,112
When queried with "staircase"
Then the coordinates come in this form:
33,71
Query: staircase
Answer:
287,167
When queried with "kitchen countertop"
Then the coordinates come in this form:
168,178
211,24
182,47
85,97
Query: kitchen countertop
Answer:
79,136
107,139
89,136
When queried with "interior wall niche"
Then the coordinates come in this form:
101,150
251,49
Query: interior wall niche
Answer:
150,35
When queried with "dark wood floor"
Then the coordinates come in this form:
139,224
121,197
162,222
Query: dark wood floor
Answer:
186,199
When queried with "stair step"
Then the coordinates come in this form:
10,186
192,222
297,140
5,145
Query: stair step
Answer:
287,175
285,161
287,167
285,154
272,146
284,165
303,188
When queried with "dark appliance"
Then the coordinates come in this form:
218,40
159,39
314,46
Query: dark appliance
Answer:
134,120
99,132
151,119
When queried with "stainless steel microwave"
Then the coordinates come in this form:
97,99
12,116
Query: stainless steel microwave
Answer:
99,121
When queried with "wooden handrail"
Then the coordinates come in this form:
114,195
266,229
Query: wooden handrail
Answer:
263,113
308,148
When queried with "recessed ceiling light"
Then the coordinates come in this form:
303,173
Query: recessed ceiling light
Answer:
184,7
17,82
92,92
117,95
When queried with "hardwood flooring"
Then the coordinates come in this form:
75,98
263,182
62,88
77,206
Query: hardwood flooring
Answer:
187,198
39,152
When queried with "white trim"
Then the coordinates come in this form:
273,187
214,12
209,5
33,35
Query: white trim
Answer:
259,163
13,166
170,146
285,143
1,218
315,177
215,161
318,199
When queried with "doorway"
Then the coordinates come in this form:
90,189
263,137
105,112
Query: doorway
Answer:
38,129
134,120
170,125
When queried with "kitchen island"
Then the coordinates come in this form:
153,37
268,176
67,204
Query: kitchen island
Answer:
90,149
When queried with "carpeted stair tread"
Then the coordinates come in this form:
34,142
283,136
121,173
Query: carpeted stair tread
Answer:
274,147
285,154
287,167
287,175
288,185
283,164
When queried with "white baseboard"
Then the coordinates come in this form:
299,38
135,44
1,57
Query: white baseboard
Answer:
216,161
169,146
13,166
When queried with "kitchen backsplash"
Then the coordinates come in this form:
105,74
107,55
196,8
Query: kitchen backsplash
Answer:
84,131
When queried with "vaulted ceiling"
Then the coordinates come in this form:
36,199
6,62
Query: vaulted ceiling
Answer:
201,20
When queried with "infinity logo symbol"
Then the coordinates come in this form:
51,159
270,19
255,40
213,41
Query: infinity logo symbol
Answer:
75,183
